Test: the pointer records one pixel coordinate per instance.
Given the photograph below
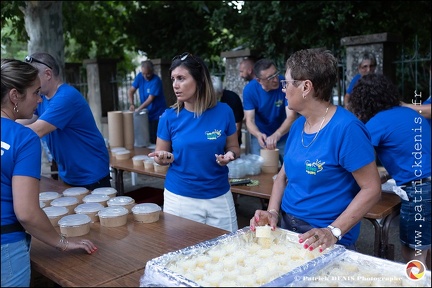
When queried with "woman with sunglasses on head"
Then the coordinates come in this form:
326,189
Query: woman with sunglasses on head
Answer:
329,179
197,137
21,215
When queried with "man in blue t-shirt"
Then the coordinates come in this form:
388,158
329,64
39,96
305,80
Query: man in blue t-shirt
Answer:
151,96
268,118
366,64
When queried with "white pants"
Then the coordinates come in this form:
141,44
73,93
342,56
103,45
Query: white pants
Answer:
218,212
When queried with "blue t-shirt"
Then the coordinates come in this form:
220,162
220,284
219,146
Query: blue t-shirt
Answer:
76,145
269,107
320,181
153,87
20,156
352,83
428,101
402,140
195,141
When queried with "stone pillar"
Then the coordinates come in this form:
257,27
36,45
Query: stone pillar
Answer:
161,68
383,45
232,80
101,95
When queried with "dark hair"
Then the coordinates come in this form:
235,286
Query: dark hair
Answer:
317,65
261,65
48,59
367,56
16,74
205,94
373,93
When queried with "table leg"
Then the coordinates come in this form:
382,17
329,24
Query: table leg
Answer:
118,175
381,247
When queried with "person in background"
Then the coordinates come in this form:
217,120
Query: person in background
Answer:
246,69
66,123
233,100
402,140
329,179
21,215
268,118
151,96
197,137
366,64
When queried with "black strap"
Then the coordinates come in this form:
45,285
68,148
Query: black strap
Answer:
15,227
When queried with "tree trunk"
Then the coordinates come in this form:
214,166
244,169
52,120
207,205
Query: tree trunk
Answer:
44,26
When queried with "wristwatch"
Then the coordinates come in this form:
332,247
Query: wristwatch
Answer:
336,232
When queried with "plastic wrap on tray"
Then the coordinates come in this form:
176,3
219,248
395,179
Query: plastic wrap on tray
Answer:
351,269
216,262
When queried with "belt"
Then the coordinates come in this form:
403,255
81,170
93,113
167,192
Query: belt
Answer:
417,182
15,227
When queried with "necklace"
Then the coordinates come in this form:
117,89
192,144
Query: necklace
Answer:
6,114
316,134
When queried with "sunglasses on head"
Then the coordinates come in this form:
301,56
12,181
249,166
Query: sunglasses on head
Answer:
30,59
184,56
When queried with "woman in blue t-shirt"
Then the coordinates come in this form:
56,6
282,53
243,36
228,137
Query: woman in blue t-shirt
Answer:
197,137
329,179
402,140
21,215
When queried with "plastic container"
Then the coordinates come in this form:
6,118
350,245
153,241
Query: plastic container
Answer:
138,160
97,198
55,214
74,225
122,155
113,216
146,212
68,202
41,204
111,192
89,209
48,196
77,192
149,164
122,201
160,168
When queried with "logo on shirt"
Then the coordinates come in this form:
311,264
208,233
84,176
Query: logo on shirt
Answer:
4,146
213,135
278,103
314,167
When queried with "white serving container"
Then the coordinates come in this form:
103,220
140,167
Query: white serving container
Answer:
97,198
48,196
89,209
123,201
111,192
146,212
160,168
149,164
74,225
138,160
122,155
114,216
55,213
77,192
69,202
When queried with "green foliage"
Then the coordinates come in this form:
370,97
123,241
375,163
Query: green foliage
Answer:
275,29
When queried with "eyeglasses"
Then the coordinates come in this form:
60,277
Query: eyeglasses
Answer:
271,77
184,56
284,82
30,59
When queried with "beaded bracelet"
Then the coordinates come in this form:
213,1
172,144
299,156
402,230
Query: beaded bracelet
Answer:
62,244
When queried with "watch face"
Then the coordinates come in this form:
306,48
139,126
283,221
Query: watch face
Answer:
336,232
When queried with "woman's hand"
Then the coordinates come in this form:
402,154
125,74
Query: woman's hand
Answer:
224,159
162,157
262,218
320,238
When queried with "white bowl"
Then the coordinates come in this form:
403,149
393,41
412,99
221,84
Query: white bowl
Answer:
77,192
146,212
111,192
113,216
123,201
69,202
55,213
74,225
89,209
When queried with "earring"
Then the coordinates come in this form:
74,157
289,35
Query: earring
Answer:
16,108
